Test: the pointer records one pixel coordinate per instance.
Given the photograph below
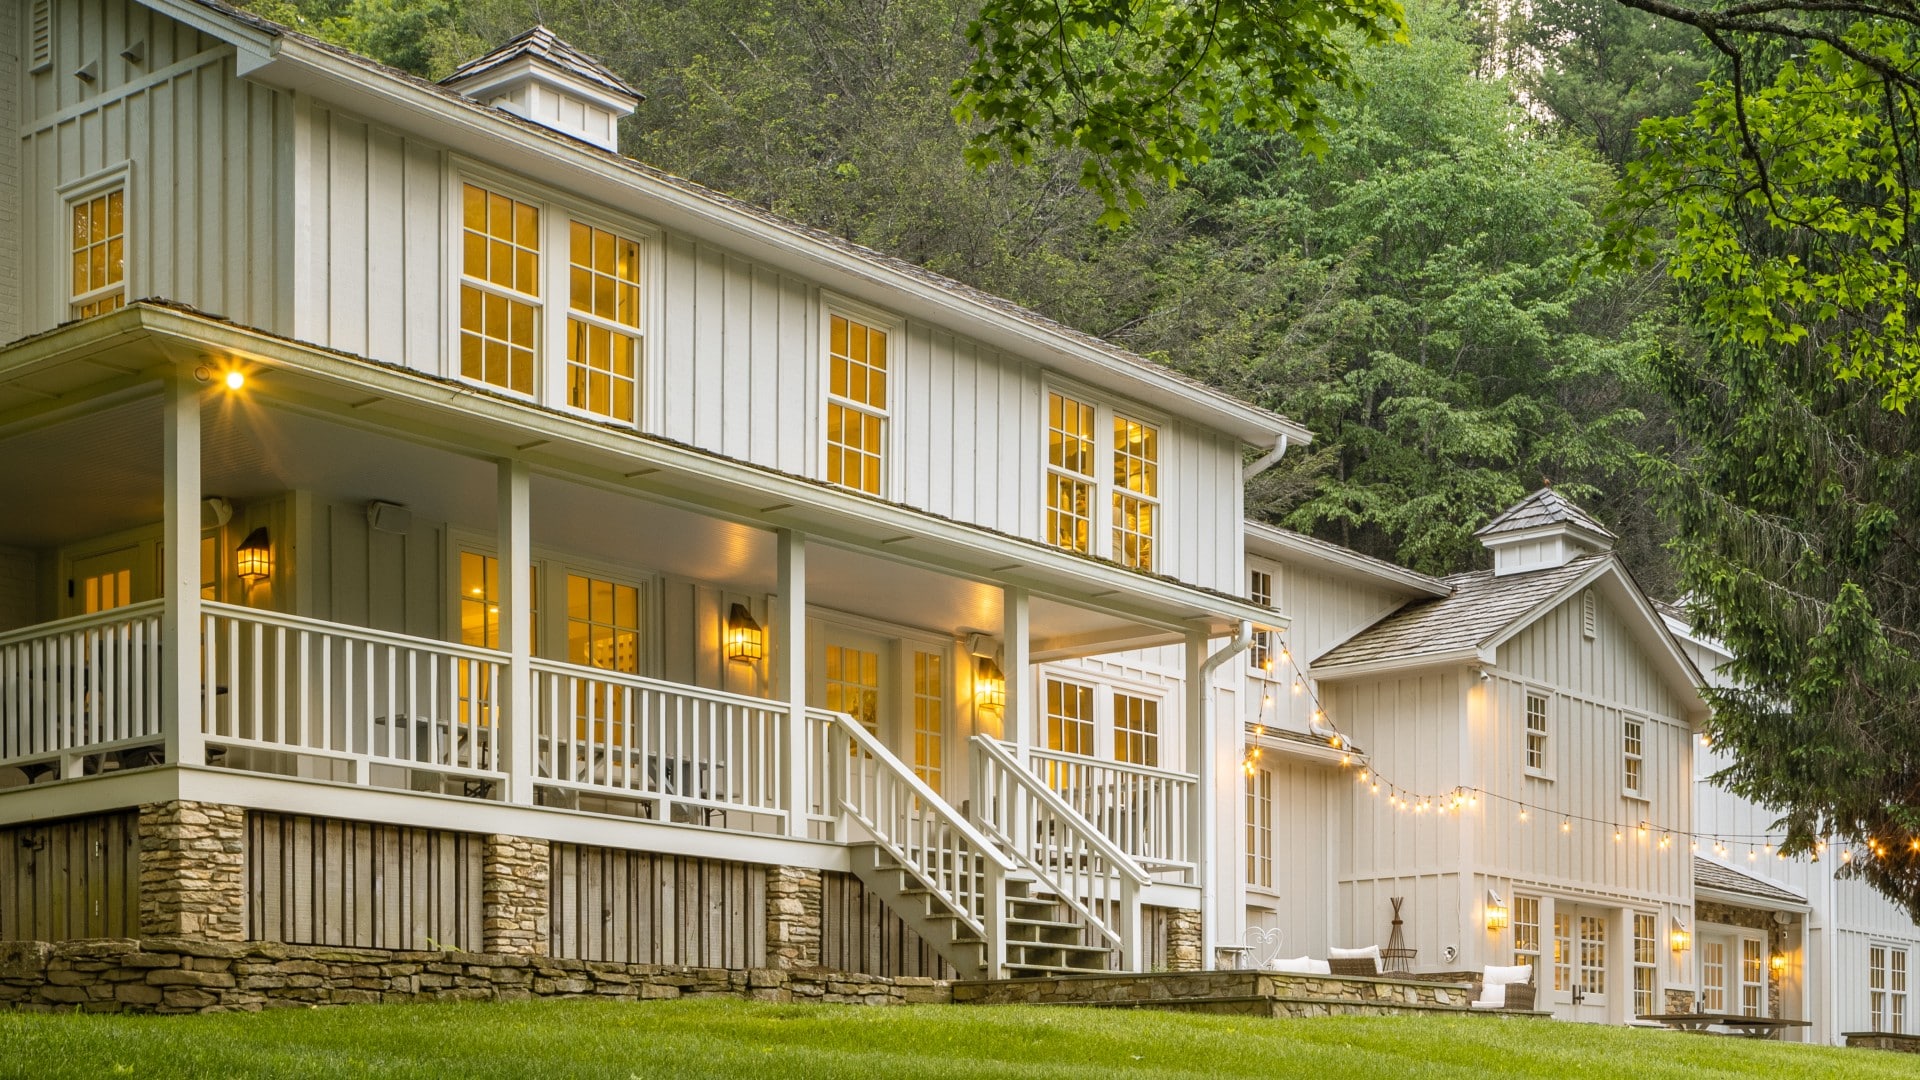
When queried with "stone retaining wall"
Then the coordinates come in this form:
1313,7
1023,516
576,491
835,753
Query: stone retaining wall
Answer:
1256,993
1881,1040
184,975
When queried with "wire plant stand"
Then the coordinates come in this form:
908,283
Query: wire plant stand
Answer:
1396,958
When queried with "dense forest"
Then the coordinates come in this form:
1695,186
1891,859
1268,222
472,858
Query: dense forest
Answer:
1419,293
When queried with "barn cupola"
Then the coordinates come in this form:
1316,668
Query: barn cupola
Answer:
540,78
1540,532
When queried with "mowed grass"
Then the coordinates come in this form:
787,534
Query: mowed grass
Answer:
719,1038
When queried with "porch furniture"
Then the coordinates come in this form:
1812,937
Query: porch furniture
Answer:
1301,965
1396,957
1748,1027
1509,987
1362,962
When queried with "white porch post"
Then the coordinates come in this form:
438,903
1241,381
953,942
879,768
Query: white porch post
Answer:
1202,815
788,671
515,532
180,574
1019,719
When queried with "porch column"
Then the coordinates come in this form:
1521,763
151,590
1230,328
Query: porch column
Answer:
515,532
787,671
1019,719
1202,815
180,573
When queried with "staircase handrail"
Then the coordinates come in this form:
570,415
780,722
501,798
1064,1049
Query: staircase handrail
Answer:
1082,834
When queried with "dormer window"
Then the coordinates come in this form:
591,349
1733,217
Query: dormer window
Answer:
1094,511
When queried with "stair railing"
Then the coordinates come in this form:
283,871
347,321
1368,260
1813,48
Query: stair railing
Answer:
1090,873
932,841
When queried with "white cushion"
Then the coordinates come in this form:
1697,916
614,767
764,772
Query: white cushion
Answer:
1518,973
1501,1004
1296,965
1371,952
1493,995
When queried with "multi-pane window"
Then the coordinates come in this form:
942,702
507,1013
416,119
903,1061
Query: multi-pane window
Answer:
480,625
1646,958
1069,717
499,289
1260,828
1593,954
603,624
1136,730
603,323
1260,591
99,247
1713,976
1632,760
1537,732
929,718
1136,491
1562,951
853,684
1753,977
1079,437
856,404
1887,988
1526,932
1070,474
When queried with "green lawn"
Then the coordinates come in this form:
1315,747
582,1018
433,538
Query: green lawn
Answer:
788,1042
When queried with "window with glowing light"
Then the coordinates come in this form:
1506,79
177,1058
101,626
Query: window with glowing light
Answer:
1113,513
499,289
99,250
929,717
1753,977
1526,932
480,626
1260,828
603,323
1262,655
1069,717
856,403
1136,730
1562,951
1646,959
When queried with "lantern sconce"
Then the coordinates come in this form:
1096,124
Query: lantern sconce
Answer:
989,684
1779,963
746,642
1682,940
253,561
1497,913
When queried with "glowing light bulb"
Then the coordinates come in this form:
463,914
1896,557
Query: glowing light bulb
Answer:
1566,826
1523,813
235,380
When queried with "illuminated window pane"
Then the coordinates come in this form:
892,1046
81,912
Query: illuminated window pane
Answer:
500,290
99,254
856,404
603,337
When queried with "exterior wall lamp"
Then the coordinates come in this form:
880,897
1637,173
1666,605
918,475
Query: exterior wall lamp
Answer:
746,642
253,561
1779,963
989,684
1497,913
1682,940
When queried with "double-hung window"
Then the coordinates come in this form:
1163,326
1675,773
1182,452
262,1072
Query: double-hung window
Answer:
856,403
1753,978
1094,509
1536,733
1646,959
98,244
1069,717
1260,591
1260,828
515,254
1632,758
1887,988
1136,730
1526,933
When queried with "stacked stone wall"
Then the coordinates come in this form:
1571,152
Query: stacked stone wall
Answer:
182,975
1246,993
793,917
193,863
514,897
1184,940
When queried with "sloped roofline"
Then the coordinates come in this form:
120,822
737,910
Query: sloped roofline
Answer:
1273,542
527,42
279,55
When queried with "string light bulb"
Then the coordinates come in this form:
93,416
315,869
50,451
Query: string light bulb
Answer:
1523,811
1566,825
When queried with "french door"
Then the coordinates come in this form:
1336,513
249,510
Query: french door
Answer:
1582,955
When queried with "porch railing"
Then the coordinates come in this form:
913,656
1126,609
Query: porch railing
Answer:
284,683
926,836
1143,811
664,742
1069,854
87,684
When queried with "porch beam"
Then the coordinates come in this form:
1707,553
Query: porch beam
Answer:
1018,723
788,668
1203,814
180,573
515,532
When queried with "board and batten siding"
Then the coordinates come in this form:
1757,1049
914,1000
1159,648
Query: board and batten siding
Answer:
321,881
859,932
209,160
1303,891
639,907
76,878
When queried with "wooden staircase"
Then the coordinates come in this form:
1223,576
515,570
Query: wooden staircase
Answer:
1043,934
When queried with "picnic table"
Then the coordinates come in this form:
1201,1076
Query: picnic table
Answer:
1749,1027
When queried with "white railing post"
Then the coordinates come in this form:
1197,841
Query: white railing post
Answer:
180,574
789,672
1201,747
513,701
1126,924
1017,718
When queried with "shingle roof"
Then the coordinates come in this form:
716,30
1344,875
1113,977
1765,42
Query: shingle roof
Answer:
1708,874
1480,607
542,43
1543,507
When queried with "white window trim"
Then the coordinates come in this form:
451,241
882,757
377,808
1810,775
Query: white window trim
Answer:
554,306
1545,769
1105,740
1638,794
86,187
1897,1000
553,567
1264,639
1105,408
894,327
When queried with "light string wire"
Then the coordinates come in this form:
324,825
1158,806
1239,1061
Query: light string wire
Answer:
1463,797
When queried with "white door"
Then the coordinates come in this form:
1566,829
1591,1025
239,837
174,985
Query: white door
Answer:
1582,952
1733,973
103,582
853,672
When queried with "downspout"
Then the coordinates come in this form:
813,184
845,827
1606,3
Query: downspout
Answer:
1265,461
1208,783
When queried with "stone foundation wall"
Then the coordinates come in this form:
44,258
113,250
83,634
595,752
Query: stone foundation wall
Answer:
1183,940
182,975
793,917
1679,1001
1249,993
193,866
514,897
1880,1040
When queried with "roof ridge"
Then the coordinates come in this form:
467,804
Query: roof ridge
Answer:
541,42
1544,507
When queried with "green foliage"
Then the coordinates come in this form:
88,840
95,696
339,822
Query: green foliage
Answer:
1140,86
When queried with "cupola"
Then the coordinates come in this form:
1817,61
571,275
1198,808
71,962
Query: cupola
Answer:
540,78
1540,532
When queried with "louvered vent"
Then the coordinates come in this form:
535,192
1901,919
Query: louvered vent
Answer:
40,44
1588,617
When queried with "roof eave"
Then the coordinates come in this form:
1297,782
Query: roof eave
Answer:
1748,900
1467,656
1270,542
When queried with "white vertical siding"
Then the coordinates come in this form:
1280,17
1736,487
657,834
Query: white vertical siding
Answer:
1303,852
206,205
383,580
13,46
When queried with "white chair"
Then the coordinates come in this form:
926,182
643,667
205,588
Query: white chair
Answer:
1505,988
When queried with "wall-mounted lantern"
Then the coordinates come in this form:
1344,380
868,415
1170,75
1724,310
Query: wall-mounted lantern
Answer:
253,561
1497,914
746,642
989,684
1682,940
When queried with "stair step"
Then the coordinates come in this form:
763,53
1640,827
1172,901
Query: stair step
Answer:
1041,970
1043,924
1049,946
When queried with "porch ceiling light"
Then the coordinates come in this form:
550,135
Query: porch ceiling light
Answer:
1497,913
254,559
989,684
746,642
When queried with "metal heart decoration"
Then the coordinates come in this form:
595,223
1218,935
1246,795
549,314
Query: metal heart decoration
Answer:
1262,946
